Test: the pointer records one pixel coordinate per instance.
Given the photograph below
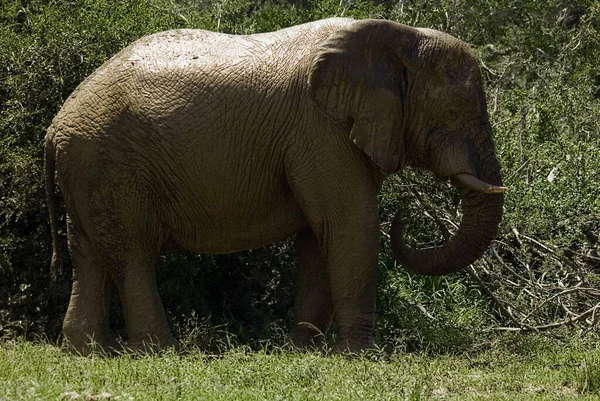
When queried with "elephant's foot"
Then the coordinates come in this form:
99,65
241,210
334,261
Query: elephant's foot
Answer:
352,347
356,340
152,344
86,341
306,336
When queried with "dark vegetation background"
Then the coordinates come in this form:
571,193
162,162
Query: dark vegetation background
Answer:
540,62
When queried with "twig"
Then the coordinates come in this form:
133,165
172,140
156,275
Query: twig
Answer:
523,123
584,315
517,171
589,257
424,311
538,243
488,69
560,294
453,224
506,266
497,123
431,211
471,272
558,257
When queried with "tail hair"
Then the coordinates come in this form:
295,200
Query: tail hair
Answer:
50,167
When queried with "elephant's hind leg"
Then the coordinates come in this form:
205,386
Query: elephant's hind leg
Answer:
130,237
86,322
313,310
147,327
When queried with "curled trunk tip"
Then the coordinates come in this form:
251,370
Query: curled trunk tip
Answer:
482,213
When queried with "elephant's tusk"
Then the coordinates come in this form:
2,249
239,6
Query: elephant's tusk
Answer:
476,184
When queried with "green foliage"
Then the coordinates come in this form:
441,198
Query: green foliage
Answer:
46,49
540,66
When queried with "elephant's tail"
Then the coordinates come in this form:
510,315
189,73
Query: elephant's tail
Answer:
50,166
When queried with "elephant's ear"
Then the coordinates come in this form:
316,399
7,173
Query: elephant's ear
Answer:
357,73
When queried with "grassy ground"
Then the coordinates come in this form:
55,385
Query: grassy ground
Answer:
520,368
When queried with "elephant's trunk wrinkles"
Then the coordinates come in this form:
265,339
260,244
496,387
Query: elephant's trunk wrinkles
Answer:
482,213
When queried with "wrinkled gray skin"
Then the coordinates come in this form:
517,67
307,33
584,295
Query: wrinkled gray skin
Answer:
215,143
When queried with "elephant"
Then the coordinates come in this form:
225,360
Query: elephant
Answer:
213,143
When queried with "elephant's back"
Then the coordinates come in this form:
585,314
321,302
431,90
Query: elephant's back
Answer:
166,72
169,76
199,55
184,47
193,46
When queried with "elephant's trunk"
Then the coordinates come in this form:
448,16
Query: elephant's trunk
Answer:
482,213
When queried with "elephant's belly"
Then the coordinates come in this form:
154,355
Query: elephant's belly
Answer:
238,231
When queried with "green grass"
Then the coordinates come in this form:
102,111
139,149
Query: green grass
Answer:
514,370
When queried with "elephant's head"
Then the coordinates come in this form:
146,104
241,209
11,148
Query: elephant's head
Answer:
415,96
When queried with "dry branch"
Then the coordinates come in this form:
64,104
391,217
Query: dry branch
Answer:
554,325
534,286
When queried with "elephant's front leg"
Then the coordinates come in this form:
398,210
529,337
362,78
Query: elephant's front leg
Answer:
313,310
345,223
351,251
